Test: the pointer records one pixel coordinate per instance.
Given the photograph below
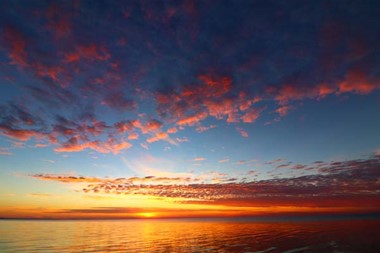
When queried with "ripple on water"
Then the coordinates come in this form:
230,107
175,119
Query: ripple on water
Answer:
181,236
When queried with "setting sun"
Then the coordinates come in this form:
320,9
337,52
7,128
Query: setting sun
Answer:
147,215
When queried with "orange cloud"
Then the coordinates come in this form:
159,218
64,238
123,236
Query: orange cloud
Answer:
133,136
192,120
150,126
20,134
159,136
109,146
172,130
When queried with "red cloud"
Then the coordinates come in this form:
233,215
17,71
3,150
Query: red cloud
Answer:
89,52
357,82
17,46
212,97
283,110
58,21
220,86
20,134
291,92
251,115
195,103
221,108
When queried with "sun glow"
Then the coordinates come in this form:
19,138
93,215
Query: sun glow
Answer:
147,215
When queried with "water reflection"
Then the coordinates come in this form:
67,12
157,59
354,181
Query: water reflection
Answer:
189,236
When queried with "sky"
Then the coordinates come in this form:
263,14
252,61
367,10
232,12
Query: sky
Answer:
141,109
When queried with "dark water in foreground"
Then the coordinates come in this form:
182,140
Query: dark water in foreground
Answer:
178,235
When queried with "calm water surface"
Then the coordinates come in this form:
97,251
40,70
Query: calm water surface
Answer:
190,236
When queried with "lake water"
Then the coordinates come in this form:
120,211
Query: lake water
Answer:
191,235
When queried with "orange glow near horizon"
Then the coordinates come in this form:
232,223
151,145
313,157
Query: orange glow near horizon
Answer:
147,215
173,211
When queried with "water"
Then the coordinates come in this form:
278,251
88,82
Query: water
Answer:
190,235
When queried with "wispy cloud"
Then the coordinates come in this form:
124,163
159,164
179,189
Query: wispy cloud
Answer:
242,132
344,183
5,151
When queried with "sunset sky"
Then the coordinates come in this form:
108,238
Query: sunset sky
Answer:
141,109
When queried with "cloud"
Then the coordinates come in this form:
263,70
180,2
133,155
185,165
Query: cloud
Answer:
246,161
251,115
58,21
278,160
357,81
88,52
109,146
284,165
197,159
133,136
124,126
284,110
159,136
5,151
184,139
201,129
172,130
17,46
224,160
242,132
19,134
119,102
150,126
67,179
148,180
95,65
345,183
192,120
211,97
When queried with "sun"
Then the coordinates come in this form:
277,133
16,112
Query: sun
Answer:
147,215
